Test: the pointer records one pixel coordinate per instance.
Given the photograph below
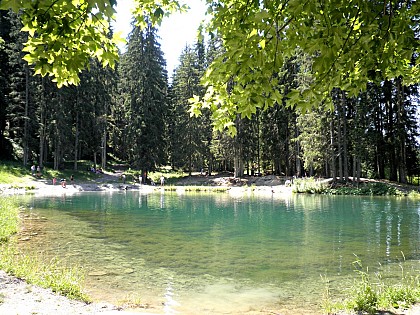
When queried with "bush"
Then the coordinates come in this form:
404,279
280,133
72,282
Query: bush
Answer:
370,297
363,296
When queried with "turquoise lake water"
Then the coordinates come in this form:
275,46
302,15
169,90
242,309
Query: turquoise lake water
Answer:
214,254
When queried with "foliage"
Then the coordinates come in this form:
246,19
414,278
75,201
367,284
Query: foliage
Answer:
64,35
312,140
189,137
414,194
143,85
363,296
349,44
9,218
132,300
369,188
368,296
314,186
135,117
309,185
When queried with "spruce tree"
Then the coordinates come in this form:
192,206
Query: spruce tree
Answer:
189,138
144,76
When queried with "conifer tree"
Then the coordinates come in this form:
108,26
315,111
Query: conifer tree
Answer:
144,100
189,135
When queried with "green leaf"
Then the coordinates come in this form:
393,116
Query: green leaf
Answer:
30,30
15,5
253,33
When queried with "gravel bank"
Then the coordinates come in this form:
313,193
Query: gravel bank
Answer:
19,298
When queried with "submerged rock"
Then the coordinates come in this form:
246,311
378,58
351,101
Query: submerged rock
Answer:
97,273
129,271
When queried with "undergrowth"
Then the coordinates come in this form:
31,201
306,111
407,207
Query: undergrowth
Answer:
373,294
312,186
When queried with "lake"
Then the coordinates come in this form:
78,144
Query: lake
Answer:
201,253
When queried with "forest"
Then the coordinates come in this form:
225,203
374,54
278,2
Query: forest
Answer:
138,114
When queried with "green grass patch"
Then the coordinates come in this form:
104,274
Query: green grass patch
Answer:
52,274
372,294
18,175
48,274
13,173
9,218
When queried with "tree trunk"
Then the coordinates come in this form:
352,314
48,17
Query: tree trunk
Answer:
42,124
258,144
402,164
189,155
390,132
333,153
354,166
95,161
339,146
26,121
103,150
286,151
57,146
76,141
344,138
298,162
237,159
380,144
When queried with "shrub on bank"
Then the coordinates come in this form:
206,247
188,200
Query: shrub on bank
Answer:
375,296
313,186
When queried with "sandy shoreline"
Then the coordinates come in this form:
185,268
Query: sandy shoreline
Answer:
19,298
45,188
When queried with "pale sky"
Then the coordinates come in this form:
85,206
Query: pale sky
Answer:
175,32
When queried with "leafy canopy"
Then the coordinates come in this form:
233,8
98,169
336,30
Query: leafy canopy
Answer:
349,42
64,34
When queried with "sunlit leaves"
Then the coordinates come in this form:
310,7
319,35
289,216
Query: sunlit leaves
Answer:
15,5
346,41
64,35
152,11
349,42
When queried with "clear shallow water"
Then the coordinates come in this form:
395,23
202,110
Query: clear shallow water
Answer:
214,254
